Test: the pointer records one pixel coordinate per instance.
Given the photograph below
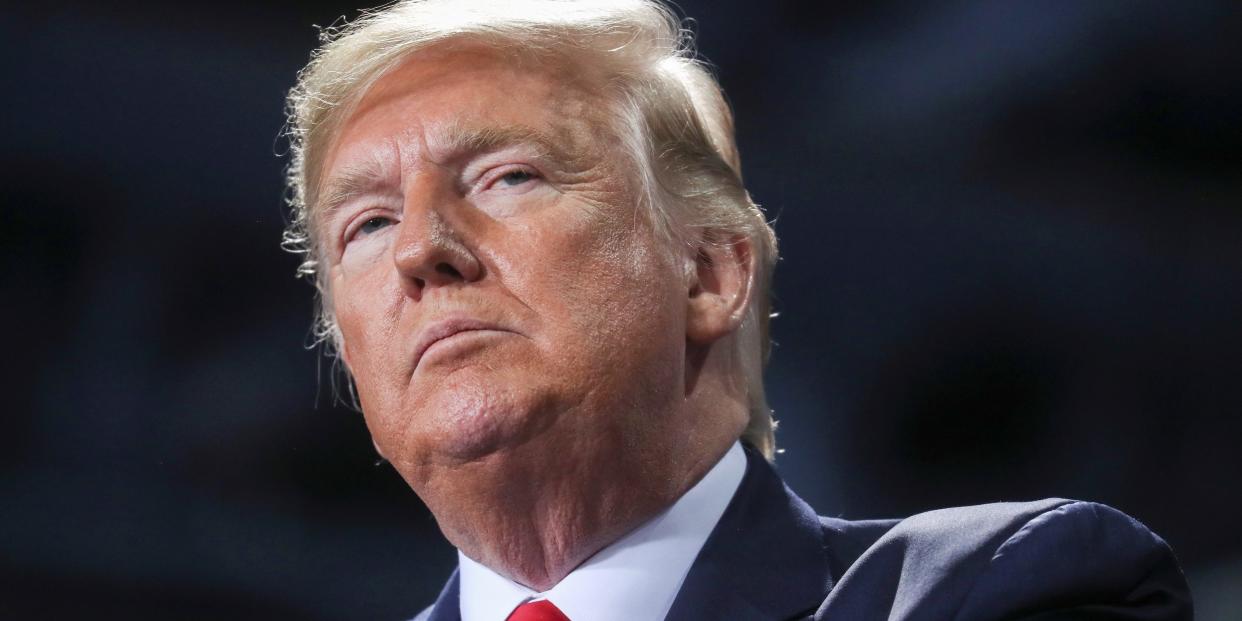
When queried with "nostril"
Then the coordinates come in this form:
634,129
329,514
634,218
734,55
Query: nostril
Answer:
444,269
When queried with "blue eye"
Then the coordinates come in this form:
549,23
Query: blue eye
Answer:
374,224
517,177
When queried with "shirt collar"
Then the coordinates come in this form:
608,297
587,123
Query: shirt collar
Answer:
636,577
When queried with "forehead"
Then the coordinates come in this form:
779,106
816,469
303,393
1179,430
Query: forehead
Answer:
461,96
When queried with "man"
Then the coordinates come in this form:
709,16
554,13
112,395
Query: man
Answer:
539,265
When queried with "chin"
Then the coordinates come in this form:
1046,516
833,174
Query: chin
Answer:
474,416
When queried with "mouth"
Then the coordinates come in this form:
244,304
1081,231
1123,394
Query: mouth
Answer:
446,329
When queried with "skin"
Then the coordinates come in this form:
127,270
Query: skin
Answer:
593,387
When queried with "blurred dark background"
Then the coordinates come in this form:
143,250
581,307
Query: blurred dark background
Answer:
1012,241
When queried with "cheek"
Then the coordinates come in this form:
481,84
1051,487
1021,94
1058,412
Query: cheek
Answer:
363,256
611,285
362,303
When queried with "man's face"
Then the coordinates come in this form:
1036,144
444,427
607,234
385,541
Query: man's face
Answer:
499,289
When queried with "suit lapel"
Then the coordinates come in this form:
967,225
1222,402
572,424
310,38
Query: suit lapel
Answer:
766,559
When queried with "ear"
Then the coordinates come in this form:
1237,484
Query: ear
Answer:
720,287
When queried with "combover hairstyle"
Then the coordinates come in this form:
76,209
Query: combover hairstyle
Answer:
669,112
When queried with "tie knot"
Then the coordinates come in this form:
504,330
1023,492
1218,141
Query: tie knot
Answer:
540,610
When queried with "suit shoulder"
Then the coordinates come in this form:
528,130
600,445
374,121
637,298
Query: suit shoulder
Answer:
945,537
976,523
1077,555
1068,531
1009,560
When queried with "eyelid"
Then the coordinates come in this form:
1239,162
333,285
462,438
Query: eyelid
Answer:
361,218
495,174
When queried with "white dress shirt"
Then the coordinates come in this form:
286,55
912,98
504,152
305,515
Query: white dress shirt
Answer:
636,577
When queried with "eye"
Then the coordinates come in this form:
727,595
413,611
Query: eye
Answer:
369,226
512,177
516,177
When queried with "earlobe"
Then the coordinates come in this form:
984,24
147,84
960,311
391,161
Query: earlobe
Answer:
720,288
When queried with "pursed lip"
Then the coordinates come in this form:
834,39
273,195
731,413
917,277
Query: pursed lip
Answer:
444,328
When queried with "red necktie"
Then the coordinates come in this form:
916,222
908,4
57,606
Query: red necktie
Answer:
541,610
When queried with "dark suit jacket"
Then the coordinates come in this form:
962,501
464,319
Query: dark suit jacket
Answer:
772,558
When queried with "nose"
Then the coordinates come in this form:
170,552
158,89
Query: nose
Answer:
430,253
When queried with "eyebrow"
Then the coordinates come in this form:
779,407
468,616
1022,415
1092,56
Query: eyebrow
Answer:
354,181
457,140
453,143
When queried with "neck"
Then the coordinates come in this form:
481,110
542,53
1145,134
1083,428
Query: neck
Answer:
535,511
535,533
534,522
